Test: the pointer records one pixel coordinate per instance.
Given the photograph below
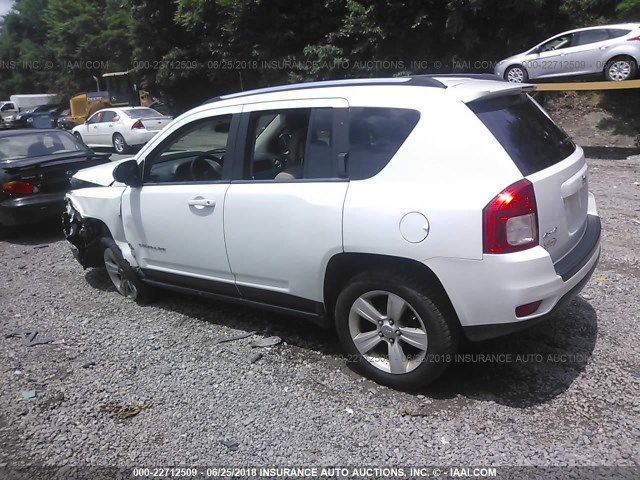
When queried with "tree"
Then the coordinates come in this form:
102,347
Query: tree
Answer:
629,9
188,50
24,52
87,38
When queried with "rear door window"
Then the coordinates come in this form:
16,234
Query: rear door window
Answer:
375,135
108,116
528,135
590,36
292,144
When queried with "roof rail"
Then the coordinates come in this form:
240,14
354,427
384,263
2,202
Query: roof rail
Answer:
416,80
477,76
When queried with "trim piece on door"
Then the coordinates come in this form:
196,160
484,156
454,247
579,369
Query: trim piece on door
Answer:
228,292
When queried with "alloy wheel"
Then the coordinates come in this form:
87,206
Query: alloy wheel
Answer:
118,143
619,70
388,332
124,286
515,75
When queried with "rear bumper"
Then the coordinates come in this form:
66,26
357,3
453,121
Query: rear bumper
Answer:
478,333
580,255
486,293
30,209
139,136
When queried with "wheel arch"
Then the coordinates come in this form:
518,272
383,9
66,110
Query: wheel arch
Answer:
85,234
100,206
621,54
342,267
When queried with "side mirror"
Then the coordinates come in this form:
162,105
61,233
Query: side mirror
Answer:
128,173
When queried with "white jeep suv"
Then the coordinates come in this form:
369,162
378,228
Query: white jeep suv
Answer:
405,211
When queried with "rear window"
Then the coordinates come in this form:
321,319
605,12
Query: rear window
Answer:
142,113
38,144
529,136
375,135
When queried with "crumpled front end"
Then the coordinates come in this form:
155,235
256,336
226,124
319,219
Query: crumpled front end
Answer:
83,236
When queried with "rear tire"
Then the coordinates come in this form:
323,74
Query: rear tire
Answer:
125,280
120,144
407,352
619,69
516,74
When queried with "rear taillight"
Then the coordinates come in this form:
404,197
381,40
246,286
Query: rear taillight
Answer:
137,124
634,39
510,220
17,188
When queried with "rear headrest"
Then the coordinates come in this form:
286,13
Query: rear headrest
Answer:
37,150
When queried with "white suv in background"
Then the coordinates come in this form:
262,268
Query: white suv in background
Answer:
405,211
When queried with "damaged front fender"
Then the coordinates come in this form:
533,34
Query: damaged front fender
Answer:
83,235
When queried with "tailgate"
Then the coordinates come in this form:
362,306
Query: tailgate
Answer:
546,156
562,196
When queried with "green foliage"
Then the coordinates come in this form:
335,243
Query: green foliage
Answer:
629,9
188,50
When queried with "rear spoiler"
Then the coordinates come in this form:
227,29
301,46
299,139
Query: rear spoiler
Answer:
469,87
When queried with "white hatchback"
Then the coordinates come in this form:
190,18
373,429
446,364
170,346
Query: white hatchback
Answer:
123,128
406,212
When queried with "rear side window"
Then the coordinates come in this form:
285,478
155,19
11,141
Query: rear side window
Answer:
617,32
375,135
529,136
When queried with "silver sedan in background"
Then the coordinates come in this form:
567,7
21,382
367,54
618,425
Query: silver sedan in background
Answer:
612,50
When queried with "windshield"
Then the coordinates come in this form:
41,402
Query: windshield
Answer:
142,113
38,144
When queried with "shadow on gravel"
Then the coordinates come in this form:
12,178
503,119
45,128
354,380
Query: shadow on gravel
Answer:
38,234
521,370
526,368
610,153
97,278
295,331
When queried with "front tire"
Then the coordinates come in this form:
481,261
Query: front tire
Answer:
516,74
395,329
120,144
620,69
125,280
78,136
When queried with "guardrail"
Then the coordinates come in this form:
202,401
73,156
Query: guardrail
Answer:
575,86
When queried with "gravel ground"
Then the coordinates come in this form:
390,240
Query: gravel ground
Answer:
567,395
